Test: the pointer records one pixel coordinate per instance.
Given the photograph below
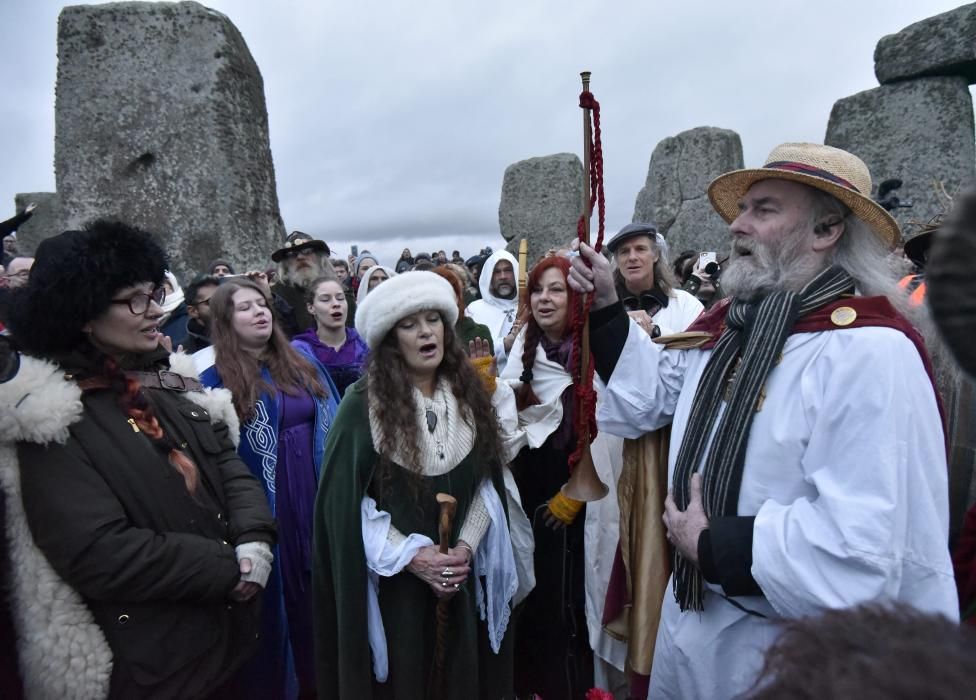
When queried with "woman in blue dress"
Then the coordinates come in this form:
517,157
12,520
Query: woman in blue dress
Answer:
286,403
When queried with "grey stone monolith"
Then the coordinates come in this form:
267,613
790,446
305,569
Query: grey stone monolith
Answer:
45,222
944,44
675,194
541,201
161,121
919,131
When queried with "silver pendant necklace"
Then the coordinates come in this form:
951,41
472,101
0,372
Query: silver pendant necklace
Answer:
432,426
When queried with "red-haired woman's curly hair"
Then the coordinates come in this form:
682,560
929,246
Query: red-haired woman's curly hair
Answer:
533,334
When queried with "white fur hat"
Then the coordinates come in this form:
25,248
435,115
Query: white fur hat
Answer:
401,296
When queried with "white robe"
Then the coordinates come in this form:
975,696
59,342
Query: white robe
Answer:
845,471
498,314
681,311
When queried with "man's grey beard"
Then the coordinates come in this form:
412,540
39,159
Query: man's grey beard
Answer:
304,277
785,265
511,294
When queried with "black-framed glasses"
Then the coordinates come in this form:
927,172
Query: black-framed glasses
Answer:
139,303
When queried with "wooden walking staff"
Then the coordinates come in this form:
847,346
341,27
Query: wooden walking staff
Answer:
584,484
445,524
523,280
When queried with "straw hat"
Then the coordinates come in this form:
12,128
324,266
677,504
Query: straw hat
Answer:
832,170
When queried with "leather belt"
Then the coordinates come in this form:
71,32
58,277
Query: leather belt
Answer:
162,379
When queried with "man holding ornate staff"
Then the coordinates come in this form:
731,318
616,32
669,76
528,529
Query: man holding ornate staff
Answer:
807,464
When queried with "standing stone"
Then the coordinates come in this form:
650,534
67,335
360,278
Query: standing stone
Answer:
941,45
675,196
160,120
45,222
920,131
541,201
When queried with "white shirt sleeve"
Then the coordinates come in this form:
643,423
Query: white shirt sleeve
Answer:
877,527
681,312
643,390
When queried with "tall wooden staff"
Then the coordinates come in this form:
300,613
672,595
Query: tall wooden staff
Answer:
523,282
445,523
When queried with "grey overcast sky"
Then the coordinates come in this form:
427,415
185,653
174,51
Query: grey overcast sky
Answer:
392,122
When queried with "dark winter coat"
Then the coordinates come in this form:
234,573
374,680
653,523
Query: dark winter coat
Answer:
197,337
154,564
291,311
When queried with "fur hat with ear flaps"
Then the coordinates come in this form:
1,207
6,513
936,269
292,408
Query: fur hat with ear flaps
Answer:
75,276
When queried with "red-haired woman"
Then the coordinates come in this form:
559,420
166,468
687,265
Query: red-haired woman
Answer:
286,402
553,653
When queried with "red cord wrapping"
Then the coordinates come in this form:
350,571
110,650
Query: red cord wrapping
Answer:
585,394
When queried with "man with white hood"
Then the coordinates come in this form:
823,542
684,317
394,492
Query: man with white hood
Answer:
498,305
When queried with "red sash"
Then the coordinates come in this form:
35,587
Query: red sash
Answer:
868,311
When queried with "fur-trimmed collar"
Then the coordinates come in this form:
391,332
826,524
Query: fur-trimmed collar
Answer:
219,403
38,404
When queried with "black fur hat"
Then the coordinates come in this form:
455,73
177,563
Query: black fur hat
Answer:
74,277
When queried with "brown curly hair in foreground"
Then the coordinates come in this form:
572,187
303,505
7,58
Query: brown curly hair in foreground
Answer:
871,652
391,395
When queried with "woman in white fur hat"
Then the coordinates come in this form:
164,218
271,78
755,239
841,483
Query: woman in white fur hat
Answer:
418,423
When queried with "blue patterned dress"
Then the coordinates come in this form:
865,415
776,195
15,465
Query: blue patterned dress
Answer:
283,444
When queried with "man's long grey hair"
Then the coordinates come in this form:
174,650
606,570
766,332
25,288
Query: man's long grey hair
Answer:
876,272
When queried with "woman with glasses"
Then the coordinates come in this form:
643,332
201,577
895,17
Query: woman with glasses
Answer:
285,402
138,540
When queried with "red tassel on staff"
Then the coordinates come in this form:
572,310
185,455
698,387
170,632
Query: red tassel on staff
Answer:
593,171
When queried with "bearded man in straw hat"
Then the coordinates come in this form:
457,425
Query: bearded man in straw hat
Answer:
807,464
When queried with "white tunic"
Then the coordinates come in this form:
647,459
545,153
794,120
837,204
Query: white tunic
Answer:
845,471
496,313
681,311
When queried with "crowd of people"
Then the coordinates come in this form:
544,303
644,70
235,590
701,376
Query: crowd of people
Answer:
336,478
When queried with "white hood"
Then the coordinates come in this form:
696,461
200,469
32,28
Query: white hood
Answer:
484,282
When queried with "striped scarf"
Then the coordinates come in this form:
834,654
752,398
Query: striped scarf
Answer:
735,373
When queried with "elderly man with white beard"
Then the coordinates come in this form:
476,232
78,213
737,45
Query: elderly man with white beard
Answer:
807,463
301,261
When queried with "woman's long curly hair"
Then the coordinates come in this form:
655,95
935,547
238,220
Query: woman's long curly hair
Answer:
240,371
390,395
525,397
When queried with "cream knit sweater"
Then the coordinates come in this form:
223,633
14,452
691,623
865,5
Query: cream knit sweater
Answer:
440,451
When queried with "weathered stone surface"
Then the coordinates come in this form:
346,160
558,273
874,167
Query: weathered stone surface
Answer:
920,131
541,201
161,121
941,45
45,222
675,195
